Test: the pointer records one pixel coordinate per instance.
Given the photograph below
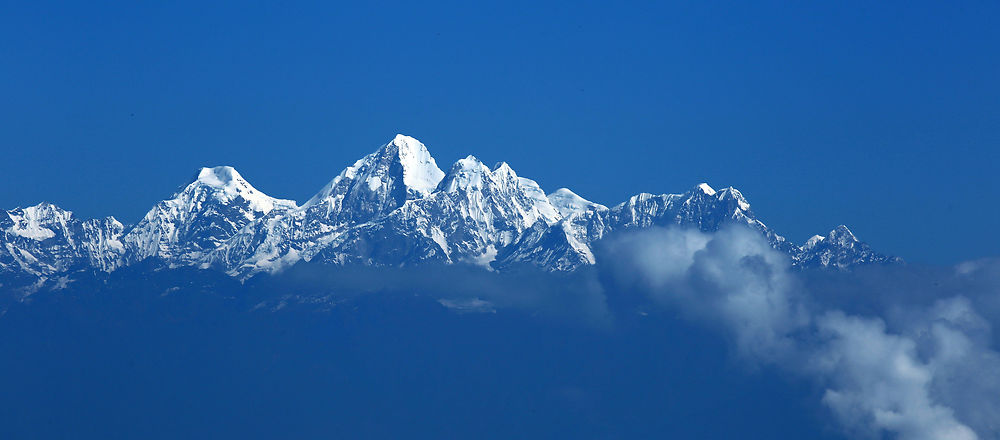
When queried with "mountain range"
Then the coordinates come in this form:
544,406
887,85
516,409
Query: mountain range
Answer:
393,207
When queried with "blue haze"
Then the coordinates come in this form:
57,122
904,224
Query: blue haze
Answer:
124,361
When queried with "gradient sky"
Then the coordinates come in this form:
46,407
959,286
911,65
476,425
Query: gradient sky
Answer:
884,117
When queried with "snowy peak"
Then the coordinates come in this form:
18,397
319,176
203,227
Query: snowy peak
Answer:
39,222
420,171
378,183
218,176
734,196
205,213
465,174
813,241
503,171
470,174
704,188
225,184
839,249
701,206
841,235
568,203
728,196
45,239
499,190
539,202
222,185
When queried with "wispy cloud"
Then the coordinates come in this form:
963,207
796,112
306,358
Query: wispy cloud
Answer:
919,368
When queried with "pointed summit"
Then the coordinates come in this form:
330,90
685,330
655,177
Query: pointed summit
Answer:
734,195
464,174
839,249
841,235
503,171
225,184
378,183
420,171
199,217
704,188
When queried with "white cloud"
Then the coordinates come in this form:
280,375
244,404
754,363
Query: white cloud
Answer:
932,375
877,383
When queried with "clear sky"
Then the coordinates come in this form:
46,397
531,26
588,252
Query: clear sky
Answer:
885,117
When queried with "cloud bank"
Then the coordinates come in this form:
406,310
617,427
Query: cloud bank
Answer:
913,365
570,298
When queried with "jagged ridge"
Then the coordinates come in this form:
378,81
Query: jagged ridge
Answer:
392,207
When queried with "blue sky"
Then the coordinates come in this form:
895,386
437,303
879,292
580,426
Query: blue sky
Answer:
883,117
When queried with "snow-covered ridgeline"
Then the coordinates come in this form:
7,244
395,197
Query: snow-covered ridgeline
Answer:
391,207
45,239
199,218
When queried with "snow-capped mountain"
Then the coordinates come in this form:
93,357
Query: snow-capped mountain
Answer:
392,207
565,245
378,183
199,218
45,240
369,190
702,208
840,248
474,212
